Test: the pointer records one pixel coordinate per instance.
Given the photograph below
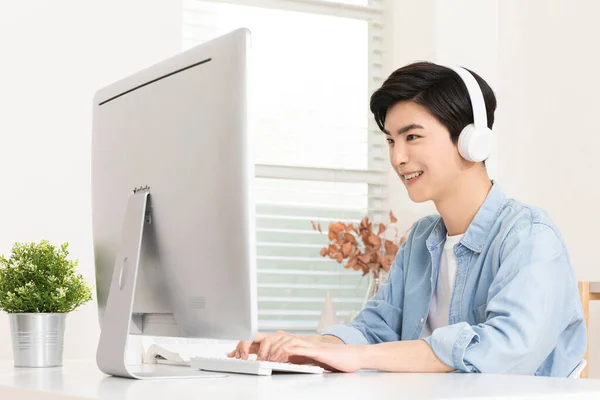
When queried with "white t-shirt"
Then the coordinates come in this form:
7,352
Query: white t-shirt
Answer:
440,301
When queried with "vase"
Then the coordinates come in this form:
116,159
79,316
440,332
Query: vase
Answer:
37,339
376,277
328,315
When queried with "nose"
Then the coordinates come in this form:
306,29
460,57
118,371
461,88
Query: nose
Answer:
398,155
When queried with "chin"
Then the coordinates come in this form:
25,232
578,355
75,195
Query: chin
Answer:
418,197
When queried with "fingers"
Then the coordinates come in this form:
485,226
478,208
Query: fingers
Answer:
235,352
243,349
263,352
278,341
254,348
267,347
276,353
247,348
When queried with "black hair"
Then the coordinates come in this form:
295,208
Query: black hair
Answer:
436,88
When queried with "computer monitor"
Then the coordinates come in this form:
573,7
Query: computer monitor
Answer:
172,210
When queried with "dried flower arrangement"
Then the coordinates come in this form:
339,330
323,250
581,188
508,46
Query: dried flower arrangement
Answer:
364,248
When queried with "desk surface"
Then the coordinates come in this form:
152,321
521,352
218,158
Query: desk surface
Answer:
81,379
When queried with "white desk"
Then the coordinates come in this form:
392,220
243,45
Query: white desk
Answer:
81,379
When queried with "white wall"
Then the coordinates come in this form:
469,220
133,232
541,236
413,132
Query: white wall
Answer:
540,58
440,31
54,55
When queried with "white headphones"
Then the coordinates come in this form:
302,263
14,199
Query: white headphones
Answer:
475,140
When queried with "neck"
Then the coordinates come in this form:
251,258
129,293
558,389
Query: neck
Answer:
459,205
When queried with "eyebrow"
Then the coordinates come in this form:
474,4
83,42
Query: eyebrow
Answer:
404,129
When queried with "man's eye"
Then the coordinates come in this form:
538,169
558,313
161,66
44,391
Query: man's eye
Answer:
390,141
411,137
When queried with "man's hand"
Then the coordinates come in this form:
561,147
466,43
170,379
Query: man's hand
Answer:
332,357
269,347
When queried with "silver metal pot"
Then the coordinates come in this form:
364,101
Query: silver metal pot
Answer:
37,339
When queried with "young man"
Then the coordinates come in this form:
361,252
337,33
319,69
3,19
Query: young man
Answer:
485,286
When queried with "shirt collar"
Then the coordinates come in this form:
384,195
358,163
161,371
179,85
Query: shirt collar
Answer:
479,229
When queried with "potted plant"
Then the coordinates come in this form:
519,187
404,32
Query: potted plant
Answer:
39,286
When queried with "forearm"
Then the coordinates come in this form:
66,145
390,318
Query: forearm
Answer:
331,339
323,339
402,356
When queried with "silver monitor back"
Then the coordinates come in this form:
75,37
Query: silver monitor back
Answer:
180,127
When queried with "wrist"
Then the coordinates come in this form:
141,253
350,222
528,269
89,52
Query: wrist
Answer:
365,356
330,339
312,338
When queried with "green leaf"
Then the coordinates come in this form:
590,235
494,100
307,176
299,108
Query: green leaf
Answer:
39,278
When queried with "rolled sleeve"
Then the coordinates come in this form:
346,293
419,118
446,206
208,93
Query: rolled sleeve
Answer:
450,345
346,334
530,302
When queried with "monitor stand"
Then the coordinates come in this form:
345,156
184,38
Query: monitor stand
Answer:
116,324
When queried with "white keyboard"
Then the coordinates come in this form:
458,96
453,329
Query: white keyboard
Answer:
253,367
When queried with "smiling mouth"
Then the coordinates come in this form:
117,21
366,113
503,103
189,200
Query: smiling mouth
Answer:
412,176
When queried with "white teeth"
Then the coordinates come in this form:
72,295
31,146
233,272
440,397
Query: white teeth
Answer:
413,175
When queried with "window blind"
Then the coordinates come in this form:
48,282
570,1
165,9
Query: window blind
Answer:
320,157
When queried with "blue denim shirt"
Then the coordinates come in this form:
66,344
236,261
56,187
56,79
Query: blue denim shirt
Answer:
515,305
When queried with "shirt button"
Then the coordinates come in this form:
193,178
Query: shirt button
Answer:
422,320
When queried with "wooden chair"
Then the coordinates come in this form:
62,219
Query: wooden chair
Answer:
586,296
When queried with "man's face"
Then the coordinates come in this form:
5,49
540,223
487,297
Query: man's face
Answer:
422,152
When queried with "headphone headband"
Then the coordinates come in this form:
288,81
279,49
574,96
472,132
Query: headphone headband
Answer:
479,112
475,140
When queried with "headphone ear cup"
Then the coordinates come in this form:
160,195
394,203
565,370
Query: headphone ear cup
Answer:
475,145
